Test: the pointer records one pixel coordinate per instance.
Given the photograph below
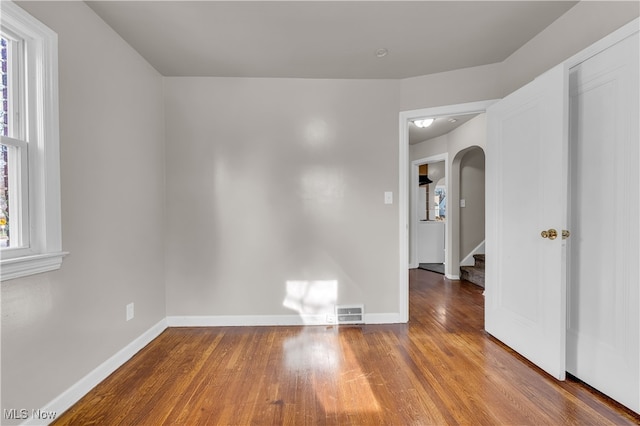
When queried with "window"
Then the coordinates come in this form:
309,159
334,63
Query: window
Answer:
30,234
14,203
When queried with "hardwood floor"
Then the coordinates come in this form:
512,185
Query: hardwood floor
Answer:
441,369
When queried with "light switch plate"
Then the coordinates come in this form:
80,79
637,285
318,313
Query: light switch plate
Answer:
388,197
462,203
130,312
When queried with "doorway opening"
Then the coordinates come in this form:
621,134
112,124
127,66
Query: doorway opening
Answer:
429,182
406,227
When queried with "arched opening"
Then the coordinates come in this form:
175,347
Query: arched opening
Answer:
469,166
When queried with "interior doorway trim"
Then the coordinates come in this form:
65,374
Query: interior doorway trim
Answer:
413,213
403,190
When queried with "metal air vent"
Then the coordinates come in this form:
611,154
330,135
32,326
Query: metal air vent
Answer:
350,314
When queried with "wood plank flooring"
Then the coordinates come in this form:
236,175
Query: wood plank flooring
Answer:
440,369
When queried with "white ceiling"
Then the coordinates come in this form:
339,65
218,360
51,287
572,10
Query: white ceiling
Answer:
325,39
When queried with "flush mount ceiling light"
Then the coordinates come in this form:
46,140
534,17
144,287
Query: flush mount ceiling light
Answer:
382,52
422,123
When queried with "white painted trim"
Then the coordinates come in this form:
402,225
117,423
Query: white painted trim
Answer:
29,265
383,318
403,193
66,399
244,320
270,320
403,212
469,260
413,218
45,231
452,277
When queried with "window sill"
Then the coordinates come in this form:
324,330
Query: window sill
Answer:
30,265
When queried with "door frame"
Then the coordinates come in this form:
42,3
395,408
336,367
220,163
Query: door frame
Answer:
599,46
413,213
403,192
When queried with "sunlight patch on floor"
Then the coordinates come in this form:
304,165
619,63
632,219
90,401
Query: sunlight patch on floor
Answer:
327,362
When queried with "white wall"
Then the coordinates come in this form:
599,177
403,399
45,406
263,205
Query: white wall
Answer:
274,180
453,87
57,327
471,133
428,148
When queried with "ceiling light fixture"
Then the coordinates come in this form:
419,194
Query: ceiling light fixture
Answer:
382,52
422,123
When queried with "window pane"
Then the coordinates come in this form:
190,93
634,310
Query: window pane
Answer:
4,111
4,197
4,150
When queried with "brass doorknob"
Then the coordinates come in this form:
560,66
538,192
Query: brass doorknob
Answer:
551,234
565,234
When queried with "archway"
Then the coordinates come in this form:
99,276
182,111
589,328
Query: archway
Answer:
468,182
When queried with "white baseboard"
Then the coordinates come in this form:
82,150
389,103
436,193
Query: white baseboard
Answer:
270,320
244,320
388,318
72,395
469,260
453,277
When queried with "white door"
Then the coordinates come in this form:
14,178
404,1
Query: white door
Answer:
526,181
603,324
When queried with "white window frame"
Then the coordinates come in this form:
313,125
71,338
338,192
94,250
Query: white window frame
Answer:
17,146
42,251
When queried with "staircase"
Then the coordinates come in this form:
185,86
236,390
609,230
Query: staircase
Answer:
475,273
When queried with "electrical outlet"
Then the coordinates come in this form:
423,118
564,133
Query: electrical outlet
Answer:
130,312
331,319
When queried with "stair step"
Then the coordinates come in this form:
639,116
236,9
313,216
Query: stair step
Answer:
479,260
473,274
